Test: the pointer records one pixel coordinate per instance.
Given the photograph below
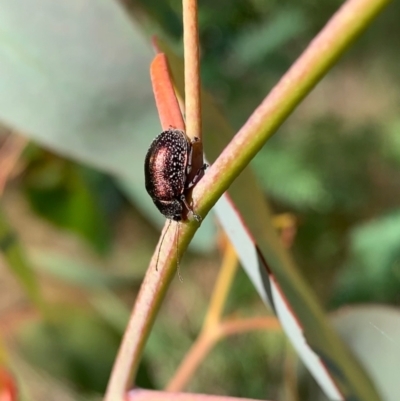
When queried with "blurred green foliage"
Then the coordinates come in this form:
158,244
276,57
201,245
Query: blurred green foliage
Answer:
73,197
337,170
77,346
62,348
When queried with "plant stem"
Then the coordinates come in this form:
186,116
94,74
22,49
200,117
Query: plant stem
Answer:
221,288
192,68
193,358
229,327
207,339
151,395
147,303
210,332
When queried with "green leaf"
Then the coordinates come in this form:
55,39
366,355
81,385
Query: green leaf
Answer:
372,272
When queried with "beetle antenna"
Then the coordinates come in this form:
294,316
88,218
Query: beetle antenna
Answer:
162,240
177,255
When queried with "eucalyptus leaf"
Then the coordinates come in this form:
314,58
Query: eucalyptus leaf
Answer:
372,332
74,78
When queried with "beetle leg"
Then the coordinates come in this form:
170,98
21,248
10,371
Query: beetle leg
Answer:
189,161
197,177
184,201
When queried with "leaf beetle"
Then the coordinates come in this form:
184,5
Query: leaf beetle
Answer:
167,166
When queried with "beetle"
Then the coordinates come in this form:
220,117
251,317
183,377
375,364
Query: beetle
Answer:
167,166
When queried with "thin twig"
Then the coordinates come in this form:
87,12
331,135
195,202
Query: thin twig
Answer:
215,329
210,331
192,68
222,286
147,303
192,360
230,327
209,337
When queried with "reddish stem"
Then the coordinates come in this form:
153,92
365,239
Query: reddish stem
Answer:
151,395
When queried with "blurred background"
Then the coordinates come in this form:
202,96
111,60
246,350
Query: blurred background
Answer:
77,117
